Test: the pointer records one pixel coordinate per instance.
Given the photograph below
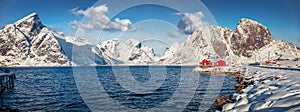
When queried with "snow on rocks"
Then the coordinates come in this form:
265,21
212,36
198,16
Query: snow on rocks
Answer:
228,106
28,42
250,42
272,90
204,43
128,52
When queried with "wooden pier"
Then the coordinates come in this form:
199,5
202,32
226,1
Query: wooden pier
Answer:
6,81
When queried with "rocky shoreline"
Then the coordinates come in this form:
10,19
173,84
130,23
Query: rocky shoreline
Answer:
242,83
261,89
236,73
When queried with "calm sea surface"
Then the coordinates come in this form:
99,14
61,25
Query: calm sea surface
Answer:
56,89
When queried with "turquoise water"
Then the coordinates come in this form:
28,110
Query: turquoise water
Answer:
55,89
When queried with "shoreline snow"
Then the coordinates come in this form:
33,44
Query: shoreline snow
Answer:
263,88
272,90
217,69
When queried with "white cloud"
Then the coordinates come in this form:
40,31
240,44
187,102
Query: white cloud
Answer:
55,28
74,24
98,20
175,34
191,21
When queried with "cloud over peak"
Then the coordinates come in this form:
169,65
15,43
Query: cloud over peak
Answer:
98,20
191,21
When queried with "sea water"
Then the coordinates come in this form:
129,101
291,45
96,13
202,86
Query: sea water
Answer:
58,89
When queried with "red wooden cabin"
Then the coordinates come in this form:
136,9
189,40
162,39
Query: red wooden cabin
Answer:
221,63
206,63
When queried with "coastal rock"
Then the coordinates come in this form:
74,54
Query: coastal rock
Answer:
239,87
242,101
220,102
228,98
228,106
268,97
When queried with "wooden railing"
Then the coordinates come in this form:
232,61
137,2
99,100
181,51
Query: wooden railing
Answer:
7,82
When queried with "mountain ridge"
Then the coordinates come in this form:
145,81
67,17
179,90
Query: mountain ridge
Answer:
28,42
248,41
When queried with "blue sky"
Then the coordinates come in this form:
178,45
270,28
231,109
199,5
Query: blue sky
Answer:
52,12
280,16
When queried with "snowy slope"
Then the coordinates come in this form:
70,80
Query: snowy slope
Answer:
79,51
28,42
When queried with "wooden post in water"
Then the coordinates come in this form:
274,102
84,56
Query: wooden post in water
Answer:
6,81
1,84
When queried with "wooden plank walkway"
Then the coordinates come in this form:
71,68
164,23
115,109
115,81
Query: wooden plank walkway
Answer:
6,82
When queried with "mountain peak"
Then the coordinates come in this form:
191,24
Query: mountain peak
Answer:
32,14
252,25
247,19
247,22
30,24
250,36
30,17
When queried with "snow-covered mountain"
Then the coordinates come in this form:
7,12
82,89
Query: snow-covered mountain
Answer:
250,42
127,52
276,49
205,43
79,51
28,42
249,36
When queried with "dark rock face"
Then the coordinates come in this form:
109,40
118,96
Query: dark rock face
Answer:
11,46
220,48
31,25
220,102
249,36
227,34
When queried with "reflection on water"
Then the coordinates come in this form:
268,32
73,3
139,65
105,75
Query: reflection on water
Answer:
54,89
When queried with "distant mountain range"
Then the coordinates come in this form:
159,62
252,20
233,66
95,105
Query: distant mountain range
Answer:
28,42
